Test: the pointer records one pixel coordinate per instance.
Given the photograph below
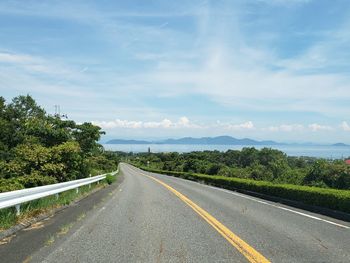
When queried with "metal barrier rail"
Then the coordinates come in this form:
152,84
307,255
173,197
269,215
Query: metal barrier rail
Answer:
18,197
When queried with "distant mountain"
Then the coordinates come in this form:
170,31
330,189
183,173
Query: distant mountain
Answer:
340,144
220,140
120,141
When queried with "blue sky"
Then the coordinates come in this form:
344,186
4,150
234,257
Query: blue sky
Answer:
264,69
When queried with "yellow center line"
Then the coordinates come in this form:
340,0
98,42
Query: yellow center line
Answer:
249,252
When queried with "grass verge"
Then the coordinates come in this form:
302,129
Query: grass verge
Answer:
34,208
329,198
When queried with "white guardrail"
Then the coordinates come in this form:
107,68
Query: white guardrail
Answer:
18,197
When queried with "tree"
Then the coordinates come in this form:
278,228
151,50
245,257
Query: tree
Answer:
87,135
214,169
37,149
248,156
268,155
15,118
316,174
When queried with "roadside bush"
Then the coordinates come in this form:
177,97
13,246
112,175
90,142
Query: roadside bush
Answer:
322,173
110,178
25,182
7,185
290,176
225,171
214,169
328,198
35,180
261,173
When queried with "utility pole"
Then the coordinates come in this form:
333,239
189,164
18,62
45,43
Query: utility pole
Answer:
58,112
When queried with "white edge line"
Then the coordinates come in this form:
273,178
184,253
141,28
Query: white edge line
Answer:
266,203
280,207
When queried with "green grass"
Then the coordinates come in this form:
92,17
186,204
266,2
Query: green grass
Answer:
31,209
110,179
329,198
65,229
7,218
50,241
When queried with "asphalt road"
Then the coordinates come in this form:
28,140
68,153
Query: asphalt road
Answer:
146,221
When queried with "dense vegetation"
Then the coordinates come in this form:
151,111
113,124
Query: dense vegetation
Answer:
267,164
329,198
37,148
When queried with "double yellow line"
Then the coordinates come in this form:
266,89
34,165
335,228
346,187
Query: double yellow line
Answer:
250,253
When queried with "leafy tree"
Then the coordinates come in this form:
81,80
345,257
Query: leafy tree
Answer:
17,115
248,157
214,169
268,155
37,149
260,172
278,167
87,136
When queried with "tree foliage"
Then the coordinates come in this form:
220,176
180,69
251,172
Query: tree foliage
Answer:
265,164
36,147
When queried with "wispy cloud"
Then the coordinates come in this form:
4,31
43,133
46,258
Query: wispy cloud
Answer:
16,58
345,126
249,125
284,2
317,127
242,57
35,64
285,128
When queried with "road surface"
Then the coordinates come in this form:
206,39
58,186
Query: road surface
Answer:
158,218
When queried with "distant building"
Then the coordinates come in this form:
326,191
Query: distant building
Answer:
347,161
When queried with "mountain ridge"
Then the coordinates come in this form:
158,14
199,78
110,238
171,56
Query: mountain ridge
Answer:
218,140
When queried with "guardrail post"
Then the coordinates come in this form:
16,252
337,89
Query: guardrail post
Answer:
18,209
89,184
77,190
56,196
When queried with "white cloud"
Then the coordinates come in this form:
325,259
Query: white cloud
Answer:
345,126
317,127
298,128
119,124
249,125
166,124
29,64
16,58
243,88
210,61
284,2
285,128
183,122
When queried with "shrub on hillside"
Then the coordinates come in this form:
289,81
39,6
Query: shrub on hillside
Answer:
21,182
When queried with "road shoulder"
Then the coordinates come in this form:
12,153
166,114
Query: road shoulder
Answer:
54,228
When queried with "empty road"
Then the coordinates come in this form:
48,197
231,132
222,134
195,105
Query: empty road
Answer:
157,218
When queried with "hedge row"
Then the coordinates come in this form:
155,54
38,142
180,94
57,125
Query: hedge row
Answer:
323,197
22,182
